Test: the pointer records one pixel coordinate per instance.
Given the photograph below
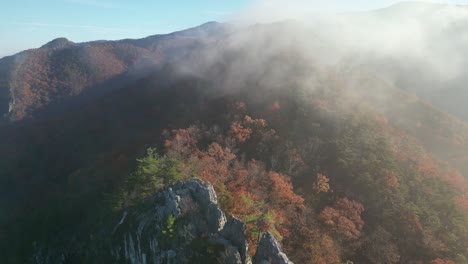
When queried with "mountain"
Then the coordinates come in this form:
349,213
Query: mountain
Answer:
59,70
62,73
303,143
58,43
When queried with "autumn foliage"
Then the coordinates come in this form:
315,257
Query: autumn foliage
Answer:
442,261
334,185
264,199
253,169
344,218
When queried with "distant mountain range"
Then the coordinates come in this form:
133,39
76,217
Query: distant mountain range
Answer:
414,57
35,79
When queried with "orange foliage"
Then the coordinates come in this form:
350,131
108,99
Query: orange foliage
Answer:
442,261
322,184
239,133
344,218
282,192
247,192
183,143
255,123
213,165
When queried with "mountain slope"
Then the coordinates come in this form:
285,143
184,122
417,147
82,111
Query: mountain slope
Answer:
34,79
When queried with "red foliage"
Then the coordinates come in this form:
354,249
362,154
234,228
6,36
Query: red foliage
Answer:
246,191
282,193
239,133
213,164
183,143
442,261
344,218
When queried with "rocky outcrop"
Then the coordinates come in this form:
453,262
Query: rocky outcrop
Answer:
184,224
174,226
234,230
269,251
181,224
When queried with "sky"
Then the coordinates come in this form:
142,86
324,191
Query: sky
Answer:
28,24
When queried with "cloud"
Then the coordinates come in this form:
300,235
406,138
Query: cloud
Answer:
418,47
421,34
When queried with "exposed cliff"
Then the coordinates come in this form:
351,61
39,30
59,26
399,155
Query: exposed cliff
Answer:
181,224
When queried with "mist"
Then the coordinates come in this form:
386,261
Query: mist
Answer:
415,46
422,31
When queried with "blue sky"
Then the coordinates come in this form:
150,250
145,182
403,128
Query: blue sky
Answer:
31,23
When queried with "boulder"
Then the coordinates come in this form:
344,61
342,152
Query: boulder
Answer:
269,251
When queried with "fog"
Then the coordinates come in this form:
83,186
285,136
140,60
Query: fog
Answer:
416,46
434,34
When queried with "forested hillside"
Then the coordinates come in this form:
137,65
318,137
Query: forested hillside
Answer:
334,184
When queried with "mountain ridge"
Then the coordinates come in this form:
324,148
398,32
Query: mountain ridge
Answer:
33,79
